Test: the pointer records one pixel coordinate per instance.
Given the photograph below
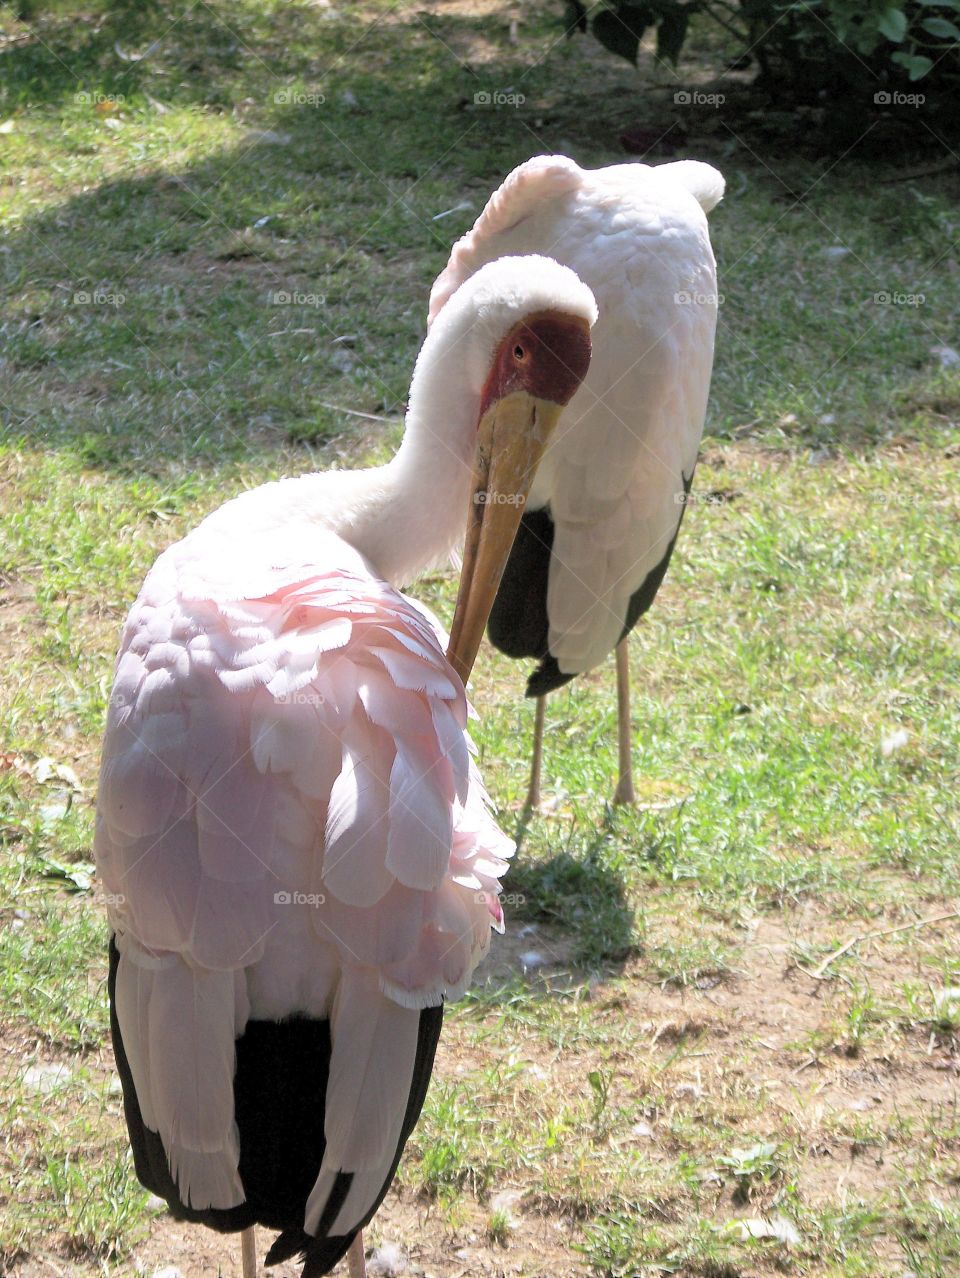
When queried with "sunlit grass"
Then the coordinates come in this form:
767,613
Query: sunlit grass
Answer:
627,1044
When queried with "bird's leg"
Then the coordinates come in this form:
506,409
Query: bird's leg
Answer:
355,1260
624,792
248,1252
536,763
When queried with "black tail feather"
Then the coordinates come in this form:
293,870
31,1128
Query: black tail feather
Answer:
519,625
279,1090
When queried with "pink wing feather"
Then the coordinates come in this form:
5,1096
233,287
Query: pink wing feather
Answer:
286,798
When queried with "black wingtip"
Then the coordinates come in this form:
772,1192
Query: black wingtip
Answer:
319,1255
519,626
279,1089
547,677
292,1242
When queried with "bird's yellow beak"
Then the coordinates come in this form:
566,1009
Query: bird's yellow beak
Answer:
511,439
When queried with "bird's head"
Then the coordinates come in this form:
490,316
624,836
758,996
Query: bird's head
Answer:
522,328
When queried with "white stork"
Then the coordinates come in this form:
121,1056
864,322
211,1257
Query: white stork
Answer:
299,860
606,504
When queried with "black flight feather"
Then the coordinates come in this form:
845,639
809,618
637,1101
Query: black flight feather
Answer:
279,1090
519,625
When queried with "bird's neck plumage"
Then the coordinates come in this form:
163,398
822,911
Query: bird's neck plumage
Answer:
406,516
411,514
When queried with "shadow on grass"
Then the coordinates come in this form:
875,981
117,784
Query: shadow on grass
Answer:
144,331
221,307
582,891
569,918
115,47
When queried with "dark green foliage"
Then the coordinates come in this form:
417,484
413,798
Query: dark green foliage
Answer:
621,30
671,31
802,45
621,26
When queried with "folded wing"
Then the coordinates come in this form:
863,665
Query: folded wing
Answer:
289,826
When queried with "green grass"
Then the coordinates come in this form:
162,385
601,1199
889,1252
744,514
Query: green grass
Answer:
151,211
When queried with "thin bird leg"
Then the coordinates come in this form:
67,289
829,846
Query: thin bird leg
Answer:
624,792
248,1252
533,792
355,1261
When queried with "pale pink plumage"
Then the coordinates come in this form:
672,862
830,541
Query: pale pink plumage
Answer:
287,801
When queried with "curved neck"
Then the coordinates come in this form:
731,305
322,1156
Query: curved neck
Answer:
411,514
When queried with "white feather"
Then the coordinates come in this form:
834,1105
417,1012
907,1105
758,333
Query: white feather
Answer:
373,1052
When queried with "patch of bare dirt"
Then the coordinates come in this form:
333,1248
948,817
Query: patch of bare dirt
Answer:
430,1245
741,1052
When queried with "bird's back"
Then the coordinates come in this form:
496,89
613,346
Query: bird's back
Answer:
615,476
300,867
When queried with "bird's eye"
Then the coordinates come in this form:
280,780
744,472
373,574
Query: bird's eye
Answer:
519,353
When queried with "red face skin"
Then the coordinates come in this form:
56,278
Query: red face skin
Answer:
546,355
